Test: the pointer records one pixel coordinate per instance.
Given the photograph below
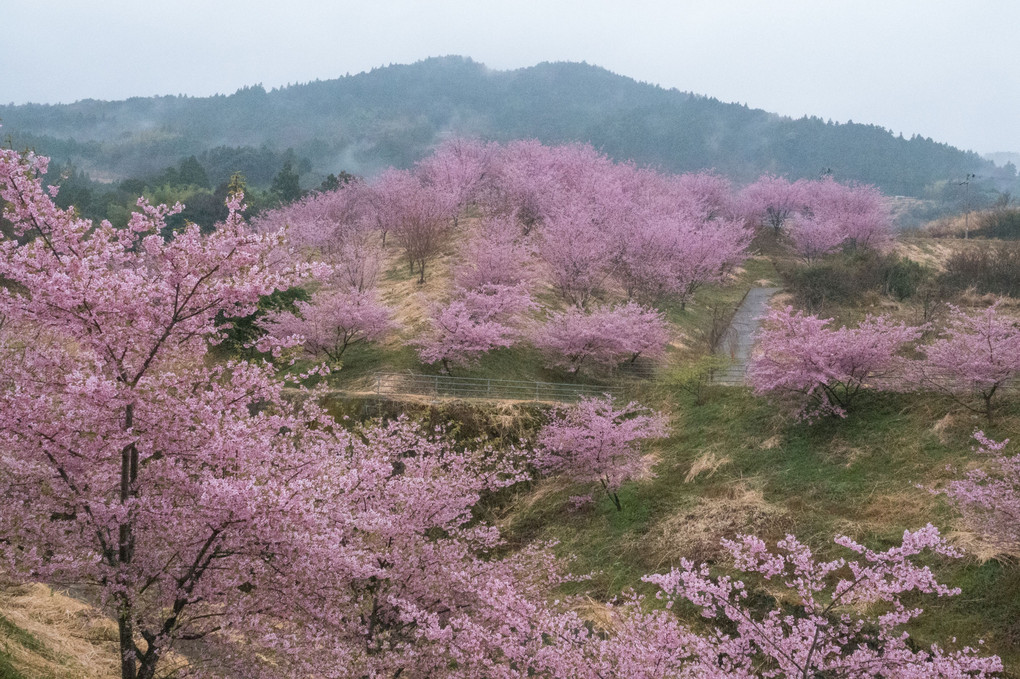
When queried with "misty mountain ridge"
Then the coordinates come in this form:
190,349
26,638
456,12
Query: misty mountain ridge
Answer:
394,115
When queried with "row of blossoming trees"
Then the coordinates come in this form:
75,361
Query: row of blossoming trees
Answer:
609,240
208,514
973,358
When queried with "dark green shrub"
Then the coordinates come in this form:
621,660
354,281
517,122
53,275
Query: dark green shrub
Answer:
993,268
851,277
245,330
903,278
1003,224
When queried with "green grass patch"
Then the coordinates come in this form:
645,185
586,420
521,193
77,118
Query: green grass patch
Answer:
11,635
856,476
7,671
14,634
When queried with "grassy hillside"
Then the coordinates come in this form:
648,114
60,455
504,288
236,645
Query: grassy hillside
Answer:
734,463
737,463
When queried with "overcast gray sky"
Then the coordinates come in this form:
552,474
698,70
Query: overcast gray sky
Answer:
946,70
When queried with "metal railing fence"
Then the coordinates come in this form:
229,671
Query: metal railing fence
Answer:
446,386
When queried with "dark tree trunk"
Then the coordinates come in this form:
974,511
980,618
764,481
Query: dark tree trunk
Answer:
125,551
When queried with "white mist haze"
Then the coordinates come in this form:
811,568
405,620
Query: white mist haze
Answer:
949,71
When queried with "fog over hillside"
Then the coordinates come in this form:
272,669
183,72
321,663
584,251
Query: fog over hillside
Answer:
394,115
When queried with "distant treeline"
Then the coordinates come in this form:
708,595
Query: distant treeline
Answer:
393,116
201,184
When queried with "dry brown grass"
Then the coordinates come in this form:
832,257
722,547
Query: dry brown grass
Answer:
399,289
695,533
708,462
537,495
980,548
942,427
74,640
970,298
841,452
596,612
77,641
926,251
897,508
780,300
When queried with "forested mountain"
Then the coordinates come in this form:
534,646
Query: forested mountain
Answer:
393,115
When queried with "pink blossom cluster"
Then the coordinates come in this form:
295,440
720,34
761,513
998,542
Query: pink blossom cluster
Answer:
473,323
330,322
844,618
336,228
974,357
494,253
825,369
588,221
595,440
601,338
990,497
820,216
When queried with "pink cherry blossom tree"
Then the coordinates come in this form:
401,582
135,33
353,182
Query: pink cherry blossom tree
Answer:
989,498
519,181
712,191
846,619
579,240
601,338
336,228
419,217
706,254
125,453
330,322
820,216
858,210
456,170
675,238
473,323
825,369
813,237
771,200
193,502
579,256
494,254
395,575
974,357
594,440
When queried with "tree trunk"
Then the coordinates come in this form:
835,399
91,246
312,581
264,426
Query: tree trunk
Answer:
125,551
147,669
988,405
125,635
612,496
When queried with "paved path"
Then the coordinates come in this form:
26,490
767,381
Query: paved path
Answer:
739,338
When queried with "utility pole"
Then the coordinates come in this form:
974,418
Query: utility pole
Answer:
966,215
